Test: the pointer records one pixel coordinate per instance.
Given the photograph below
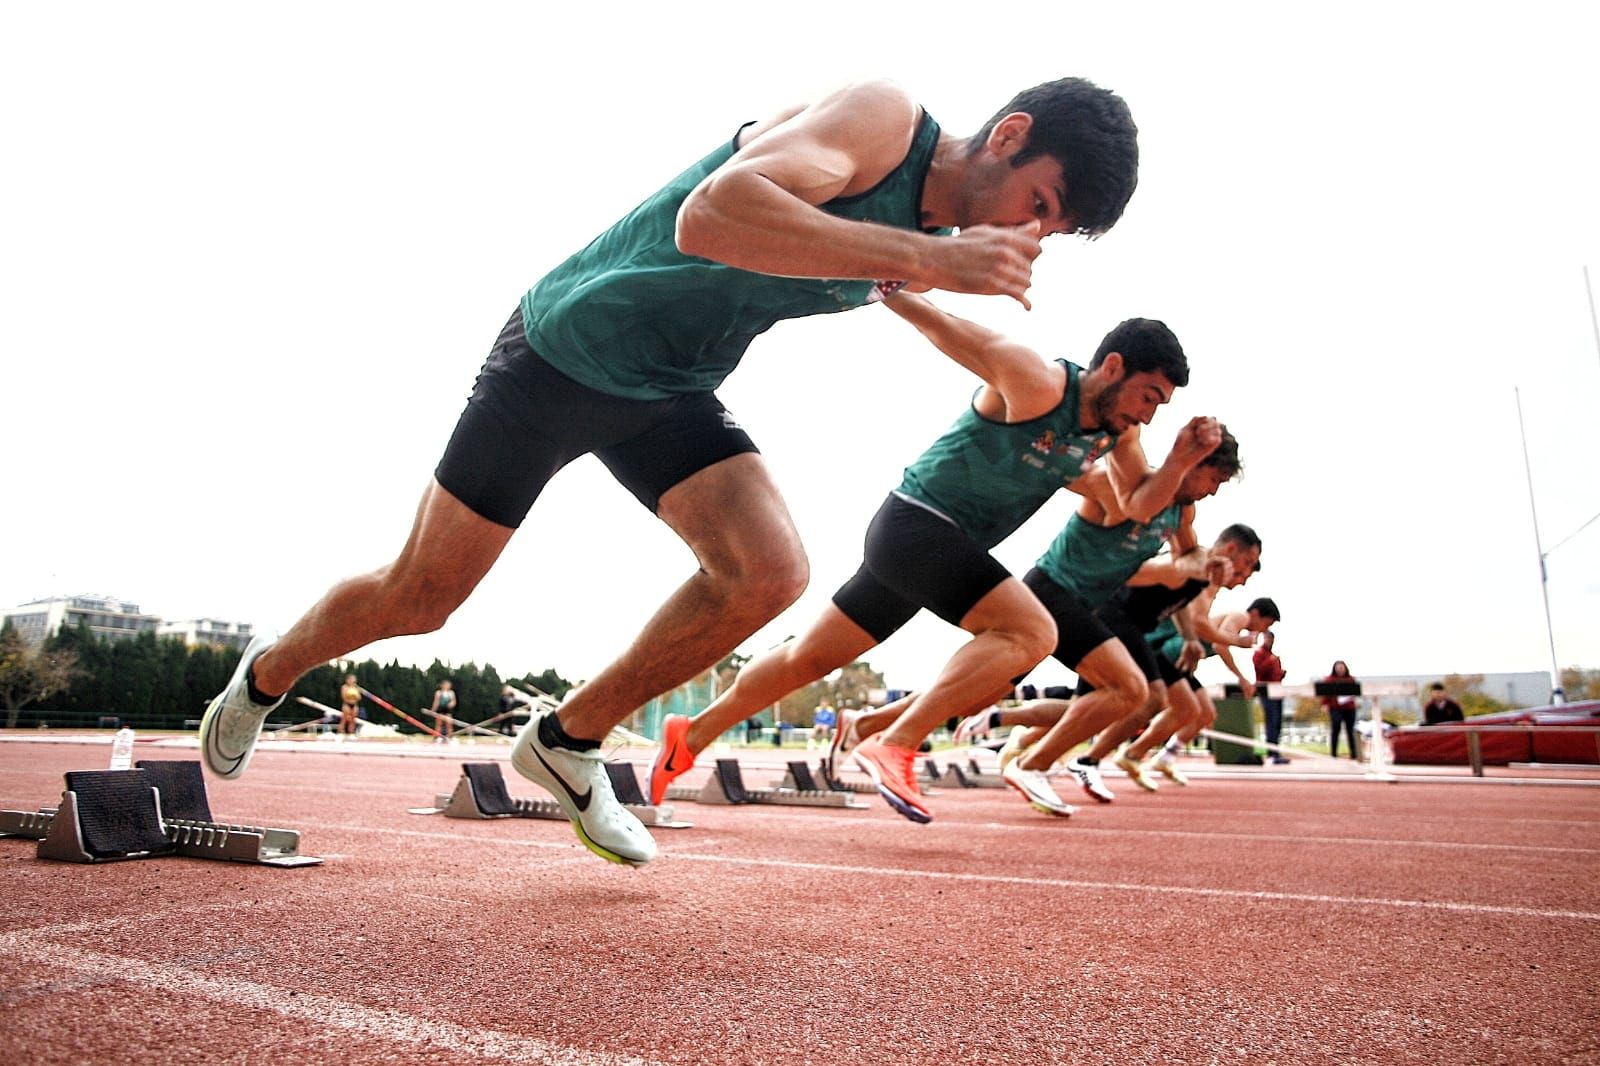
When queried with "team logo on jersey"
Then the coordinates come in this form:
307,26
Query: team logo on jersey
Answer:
882,290
1045,444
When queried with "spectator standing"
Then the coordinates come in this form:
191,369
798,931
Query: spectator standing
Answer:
443,710
508,703
349,706
1269,671
1341,712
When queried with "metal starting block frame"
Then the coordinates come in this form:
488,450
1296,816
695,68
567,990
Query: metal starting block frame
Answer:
480,793
837,784
973,776
726,787
112,815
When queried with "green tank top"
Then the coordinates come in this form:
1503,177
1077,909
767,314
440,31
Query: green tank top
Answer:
1167,641
990,477
632,316
1095,561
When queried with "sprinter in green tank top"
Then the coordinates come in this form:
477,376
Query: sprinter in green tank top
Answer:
1033,429
616,354
1117,545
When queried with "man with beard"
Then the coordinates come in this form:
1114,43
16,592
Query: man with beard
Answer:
619,352
1034,427
1095,554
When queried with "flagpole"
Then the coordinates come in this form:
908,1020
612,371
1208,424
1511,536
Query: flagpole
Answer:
1556,694
1594,321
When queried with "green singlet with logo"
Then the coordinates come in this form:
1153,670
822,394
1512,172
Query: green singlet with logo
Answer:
632,316
990,477
1095,561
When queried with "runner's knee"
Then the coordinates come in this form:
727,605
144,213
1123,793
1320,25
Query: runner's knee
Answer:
1129,689
1027,640
766,582
414,602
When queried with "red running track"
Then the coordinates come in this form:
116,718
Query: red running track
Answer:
1234,921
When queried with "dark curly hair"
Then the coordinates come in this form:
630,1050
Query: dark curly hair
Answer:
1225,457
1090,132
1145,345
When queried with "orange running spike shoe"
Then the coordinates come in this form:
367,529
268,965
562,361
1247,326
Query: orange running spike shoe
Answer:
892,771
672,759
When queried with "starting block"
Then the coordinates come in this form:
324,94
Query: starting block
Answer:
977,777
835,784
481,793
726,786
157,808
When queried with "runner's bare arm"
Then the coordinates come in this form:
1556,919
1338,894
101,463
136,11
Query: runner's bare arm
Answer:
1192,651
1025,384
1172,571
759,210
1227,629
1143,493
1183,539
1099,503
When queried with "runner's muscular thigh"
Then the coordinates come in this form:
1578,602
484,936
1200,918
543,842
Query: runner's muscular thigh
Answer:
732,516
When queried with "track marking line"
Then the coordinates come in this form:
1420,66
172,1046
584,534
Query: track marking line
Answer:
1279,838
1169,890
384,1024
1275,838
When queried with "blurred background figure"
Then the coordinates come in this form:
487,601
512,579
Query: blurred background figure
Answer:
1441,708
1269,671
1341,712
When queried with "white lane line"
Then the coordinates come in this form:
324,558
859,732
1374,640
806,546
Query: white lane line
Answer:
384,1024
462,837
1045,825
1128,886
1290,839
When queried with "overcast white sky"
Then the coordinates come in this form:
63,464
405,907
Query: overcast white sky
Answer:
251,258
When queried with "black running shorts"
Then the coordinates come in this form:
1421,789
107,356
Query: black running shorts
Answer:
526,420
1128,631
914,559
1078,630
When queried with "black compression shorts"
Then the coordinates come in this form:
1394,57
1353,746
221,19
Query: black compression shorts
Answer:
914,559
526,420
1078,630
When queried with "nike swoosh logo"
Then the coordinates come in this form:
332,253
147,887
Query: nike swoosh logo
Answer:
581,802
670,767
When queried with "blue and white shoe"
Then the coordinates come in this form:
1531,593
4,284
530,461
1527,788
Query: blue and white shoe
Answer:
1088,775
232,722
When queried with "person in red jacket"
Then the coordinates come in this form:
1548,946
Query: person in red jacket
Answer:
1269,670
1341,712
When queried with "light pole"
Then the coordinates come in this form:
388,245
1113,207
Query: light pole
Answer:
1556,694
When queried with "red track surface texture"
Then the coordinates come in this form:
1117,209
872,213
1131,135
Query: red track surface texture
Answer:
1234,921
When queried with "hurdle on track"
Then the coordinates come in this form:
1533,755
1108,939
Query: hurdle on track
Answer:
1377,760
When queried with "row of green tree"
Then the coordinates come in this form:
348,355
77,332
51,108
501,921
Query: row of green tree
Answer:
160,682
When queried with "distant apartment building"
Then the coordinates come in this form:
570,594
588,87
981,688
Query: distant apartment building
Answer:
116,619
208,631
106,616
